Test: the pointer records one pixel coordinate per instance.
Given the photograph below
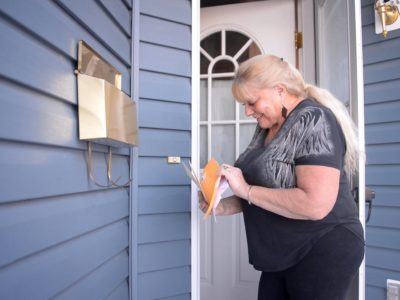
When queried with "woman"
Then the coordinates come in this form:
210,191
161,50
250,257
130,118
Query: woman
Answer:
292,184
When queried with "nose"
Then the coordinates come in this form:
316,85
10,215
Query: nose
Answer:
248,110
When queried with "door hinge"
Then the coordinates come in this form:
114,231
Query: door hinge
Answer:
298,40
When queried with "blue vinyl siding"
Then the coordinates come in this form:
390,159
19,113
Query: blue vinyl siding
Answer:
382,127
163,239
61,236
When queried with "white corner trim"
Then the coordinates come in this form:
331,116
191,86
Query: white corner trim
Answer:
361,133
195,228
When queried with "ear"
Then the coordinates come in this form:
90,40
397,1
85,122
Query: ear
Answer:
281,89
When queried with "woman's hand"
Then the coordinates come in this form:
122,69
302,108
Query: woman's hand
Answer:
236,181
203,205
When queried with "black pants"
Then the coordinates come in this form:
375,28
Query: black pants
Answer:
325,273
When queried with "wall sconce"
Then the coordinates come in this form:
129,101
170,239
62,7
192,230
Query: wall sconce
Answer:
106,115
386,16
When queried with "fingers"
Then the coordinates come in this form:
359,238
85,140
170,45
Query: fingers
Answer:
203,205
225,169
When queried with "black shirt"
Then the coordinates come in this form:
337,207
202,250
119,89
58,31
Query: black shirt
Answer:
309,136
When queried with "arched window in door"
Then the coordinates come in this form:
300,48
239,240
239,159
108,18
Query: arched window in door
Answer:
225,130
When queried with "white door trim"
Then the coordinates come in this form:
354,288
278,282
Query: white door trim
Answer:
357,64
195,229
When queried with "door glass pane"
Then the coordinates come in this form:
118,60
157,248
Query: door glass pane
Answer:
246,132
333,70
203,145
223,143
203,100
223,66
222,101
253,50
212,44
234,42
204,62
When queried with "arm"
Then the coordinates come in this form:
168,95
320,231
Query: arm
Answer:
312,199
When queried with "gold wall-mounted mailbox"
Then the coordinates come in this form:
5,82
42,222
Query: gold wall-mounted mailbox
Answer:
106,114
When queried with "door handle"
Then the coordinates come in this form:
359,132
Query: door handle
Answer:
369,196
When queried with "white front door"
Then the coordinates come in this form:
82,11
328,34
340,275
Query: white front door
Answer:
229,34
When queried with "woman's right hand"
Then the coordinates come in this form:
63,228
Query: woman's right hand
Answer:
203,205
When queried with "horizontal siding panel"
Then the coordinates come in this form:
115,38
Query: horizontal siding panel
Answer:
120,293
159,31
385,217
383,258
369,36
166,115
53,25
99,284
374,293
387,195
382,92
33,117
100,24
26,60
381,51
24,226
382,112
167,255
382,133
172,142
368,15
377,276
367,2
43,275
186,296
165,60
164,199
168,282
164,87
128,3
382,71
383,175
44,171
383,237
383,154
164,227
174,10
157,171
120,13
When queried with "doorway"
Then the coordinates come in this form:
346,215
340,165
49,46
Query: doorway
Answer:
230,34
268,26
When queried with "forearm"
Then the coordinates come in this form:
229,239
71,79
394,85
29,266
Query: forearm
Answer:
230,206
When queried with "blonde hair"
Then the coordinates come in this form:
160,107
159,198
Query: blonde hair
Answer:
267,71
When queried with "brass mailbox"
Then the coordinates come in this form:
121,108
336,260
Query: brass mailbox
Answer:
106,114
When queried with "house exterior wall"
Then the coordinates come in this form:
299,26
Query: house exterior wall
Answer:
61,236
382,126
163,222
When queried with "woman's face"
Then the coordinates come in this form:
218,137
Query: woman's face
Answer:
265,106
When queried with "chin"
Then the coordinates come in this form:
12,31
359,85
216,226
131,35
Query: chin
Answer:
264,125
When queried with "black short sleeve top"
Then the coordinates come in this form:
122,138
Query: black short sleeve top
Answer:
309,136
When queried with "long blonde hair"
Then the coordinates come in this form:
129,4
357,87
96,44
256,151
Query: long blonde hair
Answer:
266,71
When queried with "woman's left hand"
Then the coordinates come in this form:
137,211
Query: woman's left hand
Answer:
236,181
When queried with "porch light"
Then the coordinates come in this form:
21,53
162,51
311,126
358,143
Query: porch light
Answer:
386,16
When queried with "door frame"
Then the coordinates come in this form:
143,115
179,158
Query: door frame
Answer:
195,216
308,66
